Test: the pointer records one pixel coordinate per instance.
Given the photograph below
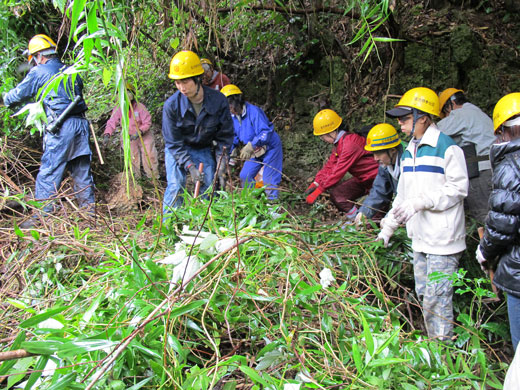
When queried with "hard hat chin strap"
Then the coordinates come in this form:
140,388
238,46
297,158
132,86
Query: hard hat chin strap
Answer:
417,114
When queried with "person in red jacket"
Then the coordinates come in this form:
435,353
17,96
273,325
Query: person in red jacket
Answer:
213,78
348,156
139,122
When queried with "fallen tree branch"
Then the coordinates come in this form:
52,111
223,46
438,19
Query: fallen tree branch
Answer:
15,354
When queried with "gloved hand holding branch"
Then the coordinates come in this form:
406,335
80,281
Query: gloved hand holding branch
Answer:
247,151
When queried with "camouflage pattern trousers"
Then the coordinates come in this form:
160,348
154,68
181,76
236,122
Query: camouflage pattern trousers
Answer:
436,296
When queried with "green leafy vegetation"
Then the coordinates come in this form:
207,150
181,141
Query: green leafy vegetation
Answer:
104,311
97,308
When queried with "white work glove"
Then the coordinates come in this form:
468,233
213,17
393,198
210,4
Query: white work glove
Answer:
385,237
481,260
388,226
360,220
410,207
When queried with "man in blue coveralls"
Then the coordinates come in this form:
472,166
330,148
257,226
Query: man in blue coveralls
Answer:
67,147
194,118
263,147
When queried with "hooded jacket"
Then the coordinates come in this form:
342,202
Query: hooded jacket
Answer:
500,244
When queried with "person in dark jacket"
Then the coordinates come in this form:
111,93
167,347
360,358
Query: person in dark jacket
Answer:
68,147
194,118
348,155
262,145
499,248
385,145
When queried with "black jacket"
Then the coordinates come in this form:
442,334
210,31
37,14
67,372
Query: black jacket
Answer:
501,242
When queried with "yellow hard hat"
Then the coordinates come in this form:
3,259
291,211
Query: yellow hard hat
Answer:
205,61
230,89
38,43
423,99
185,64
507,107
381,137
326,121
444,96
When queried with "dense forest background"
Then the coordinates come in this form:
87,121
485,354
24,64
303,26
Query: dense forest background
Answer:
96,301
292,58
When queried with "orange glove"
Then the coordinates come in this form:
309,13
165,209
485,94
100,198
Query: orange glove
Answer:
312,197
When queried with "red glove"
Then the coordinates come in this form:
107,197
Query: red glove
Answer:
312,197
311,188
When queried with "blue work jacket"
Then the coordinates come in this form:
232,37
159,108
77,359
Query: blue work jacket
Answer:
254,127
72,140
181,126
382,191
56,101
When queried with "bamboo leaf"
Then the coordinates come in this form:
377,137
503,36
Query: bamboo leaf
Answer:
45,347
356,355
369,340
179,311
387,39
34,320
77,9
140,384
145,350
64,382
60,5
387,361
253,375
91,310
38,371
394,334
73,348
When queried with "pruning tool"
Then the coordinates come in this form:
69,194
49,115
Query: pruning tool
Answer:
197,183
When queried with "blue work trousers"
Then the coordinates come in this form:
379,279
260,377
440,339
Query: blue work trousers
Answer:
513,310
272,162
50,177
68,150
176,175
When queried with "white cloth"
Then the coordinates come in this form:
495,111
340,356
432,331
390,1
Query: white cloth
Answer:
512,380
395,170
467,125
437,173
481,260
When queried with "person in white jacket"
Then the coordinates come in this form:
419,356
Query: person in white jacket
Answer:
430,200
